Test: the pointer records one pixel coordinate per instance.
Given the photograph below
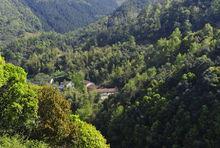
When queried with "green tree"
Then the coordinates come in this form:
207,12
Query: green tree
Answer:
89,137
18,100
78,81
54,110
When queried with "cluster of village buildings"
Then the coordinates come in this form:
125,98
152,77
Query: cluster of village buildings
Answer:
90,87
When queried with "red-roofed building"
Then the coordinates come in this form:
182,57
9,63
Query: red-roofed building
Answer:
104,92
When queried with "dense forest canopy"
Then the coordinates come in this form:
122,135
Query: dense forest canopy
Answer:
66,15
163,57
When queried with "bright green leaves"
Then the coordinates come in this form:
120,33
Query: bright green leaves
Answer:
20,142
189,76
136,83
180,59
201,40
2,79
15,73
89,137
119,111
18,102
171,44
166,48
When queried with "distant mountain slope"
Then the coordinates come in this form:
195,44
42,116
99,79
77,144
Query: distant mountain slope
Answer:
113,28
127,11
16,18
150,20
66,15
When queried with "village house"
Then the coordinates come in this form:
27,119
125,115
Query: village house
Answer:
104,92
62,84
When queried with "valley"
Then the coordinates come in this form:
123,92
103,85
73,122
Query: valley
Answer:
99,74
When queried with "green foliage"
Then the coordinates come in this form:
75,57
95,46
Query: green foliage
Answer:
20,16
164,58
176,103
18,100
78,81
89,137
189,76
84,104
15,19
18,142
58,128
64,16
54,112
41,79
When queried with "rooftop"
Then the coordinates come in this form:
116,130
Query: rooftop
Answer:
107,90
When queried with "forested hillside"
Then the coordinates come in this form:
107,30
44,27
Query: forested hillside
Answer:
67,15
163,57
151,23
20,16
15,19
